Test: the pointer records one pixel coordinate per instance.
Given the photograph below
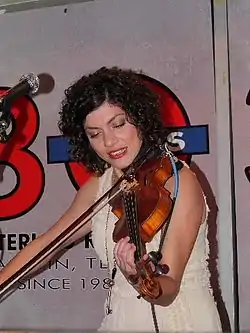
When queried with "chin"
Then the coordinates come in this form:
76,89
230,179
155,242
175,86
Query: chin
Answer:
121,164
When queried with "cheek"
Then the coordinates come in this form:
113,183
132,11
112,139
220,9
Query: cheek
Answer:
134,137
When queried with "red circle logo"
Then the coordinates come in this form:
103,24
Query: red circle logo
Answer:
15,153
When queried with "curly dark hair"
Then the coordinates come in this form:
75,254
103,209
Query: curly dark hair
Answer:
118,87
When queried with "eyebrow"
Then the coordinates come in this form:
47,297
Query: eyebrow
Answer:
110,121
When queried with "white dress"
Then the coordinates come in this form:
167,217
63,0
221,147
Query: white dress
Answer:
194,308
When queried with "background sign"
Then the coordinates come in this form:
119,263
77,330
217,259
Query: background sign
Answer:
38,180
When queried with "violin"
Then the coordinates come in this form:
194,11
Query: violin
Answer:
142,211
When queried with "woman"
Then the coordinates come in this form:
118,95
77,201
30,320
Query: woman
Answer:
109,116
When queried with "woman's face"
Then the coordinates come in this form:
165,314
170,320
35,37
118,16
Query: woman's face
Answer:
112,137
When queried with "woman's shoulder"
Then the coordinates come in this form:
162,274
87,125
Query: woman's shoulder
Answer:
187,181
95,184
89,188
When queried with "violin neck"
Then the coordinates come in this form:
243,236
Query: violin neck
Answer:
131,213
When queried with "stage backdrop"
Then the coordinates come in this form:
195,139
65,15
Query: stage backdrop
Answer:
172,42
239,51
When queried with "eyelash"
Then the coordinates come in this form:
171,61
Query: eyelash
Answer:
115,126
93,135
120,125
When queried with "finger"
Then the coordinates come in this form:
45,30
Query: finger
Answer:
118,248
121,247
127,259
124,255
131,260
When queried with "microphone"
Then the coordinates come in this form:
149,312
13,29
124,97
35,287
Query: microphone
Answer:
28,85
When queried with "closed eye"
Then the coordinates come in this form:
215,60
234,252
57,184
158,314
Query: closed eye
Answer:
119,125
93,135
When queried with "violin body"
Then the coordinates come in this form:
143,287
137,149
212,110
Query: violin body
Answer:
153,200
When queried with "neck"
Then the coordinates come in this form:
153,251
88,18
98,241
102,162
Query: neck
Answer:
117,173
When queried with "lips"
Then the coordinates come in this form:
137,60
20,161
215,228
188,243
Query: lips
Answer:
119,153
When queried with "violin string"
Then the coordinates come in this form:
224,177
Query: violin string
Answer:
132,221
135,224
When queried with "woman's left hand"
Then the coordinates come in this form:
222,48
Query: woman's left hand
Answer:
124,256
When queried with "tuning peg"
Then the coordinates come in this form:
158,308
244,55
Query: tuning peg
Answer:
155,256
161,270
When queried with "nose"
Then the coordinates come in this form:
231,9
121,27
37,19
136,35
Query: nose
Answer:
109,139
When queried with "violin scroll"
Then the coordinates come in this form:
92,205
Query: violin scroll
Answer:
148,285
155,257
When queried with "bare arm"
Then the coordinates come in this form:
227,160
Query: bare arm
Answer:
186,219
83,200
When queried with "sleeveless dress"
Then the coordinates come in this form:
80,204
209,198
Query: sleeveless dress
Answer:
194,308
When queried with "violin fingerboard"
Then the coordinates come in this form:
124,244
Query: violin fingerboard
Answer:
131,213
